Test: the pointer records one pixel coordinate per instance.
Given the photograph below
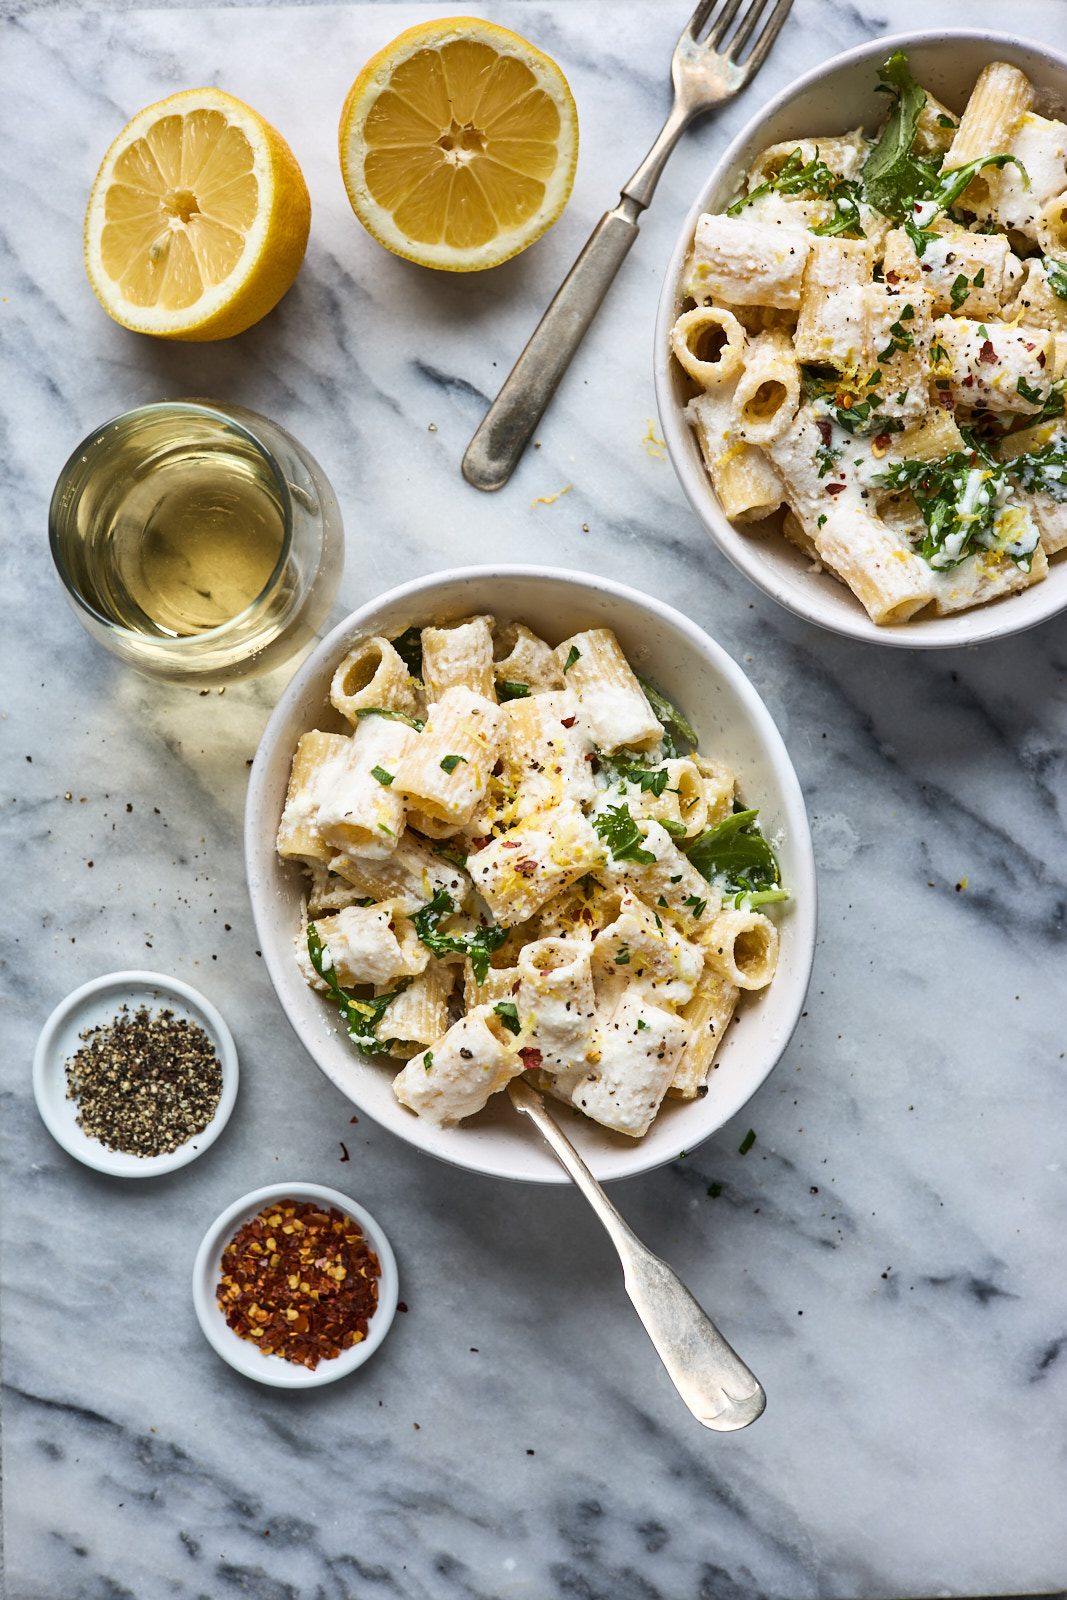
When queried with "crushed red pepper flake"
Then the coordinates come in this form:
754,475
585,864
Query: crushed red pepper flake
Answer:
299,1282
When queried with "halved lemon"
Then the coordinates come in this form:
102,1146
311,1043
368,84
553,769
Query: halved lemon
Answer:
458,144
198,220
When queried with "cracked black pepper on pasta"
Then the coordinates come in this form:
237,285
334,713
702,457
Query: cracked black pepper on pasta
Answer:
144,1084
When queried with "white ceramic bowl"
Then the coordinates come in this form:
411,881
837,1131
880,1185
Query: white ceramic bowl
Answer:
242,1354
832,99
732,723
98,1003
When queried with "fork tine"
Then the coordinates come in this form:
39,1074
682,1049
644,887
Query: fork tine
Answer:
697,20
771,30
721,23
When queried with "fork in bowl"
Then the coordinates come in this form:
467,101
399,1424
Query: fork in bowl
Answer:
706,72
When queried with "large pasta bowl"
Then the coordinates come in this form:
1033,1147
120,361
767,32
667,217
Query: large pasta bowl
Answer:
834,98
732,724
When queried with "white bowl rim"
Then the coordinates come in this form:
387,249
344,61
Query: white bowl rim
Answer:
242,1354
803,881
49,1078
977,626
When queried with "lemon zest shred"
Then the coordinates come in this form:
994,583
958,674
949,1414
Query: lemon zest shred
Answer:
550,499
657,448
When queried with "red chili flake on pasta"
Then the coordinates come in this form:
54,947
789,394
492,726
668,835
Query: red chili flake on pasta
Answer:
299,1282
1031,346
968,382
531,1058
987,353
892,277
825,431
946,402
1041,358
835,488
567,722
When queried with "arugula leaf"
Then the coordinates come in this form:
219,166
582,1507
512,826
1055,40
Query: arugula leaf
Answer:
669,825
361,1017
478,945
651,781
450,763
1042,471
1034,396
409,648
667,713
573,655
814,177
508,1012
505,690
623,837
394,716
891,175
735,854
1056,273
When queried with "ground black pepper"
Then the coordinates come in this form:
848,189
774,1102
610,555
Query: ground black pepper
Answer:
145,1084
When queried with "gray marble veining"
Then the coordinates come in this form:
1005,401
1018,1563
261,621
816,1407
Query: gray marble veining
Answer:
888,1255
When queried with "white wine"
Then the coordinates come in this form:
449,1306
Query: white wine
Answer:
187,540
198,542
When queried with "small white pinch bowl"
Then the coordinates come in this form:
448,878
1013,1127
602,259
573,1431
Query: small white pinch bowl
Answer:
833,98
732,723
242,1354
99,1003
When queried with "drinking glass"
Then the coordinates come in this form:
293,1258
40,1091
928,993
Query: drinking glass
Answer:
197,541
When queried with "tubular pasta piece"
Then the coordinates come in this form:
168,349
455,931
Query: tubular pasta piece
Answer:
358,813
446,771
743,946
613,703
461,1069
372,674
516,873
521,657
767,395
459,654
707,1014
743,262
710,343
312,772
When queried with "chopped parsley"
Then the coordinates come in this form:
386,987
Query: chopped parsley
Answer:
641,1023
901,339
478,946
697,905
508,1012
506,690
383,777
961,288
619,831
650,781
622,956
573,655
361,1017
735,856
965,505
427,1060
1034,396
747,1142
450,763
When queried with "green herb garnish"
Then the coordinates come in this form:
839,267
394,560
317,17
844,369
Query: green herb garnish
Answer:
735,855
623,837
505,690
814,177
383,777
394,716
508,1012
361,1017
747,1142
1056,273
427,1060
573,655
409,648
652,781
697,905
450,763
669,714
478,946
963,499
1034,396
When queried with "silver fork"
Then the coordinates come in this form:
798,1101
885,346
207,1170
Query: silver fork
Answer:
706,73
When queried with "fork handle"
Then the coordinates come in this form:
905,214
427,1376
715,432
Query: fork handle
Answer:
709,1375
508,425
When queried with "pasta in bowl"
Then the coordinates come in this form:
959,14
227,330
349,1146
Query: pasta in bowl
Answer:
481,881
861,361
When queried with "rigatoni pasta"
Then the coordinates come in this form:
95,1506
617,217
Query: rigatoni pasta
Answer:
541,879
870,327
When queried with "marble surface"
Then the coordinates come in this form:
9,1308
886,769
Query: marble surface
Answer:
888,1255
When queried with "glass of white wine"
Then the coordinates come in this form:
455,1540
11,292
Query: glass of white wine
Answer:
197,541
